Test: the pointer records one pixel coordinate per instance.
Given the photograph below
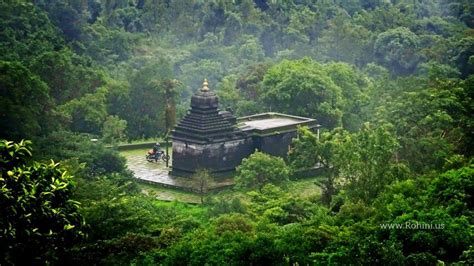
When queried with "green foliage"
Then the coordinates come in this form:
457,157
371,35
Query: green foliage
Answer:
202,182
232,223
355,88
147,96
301,88
251,50
26,32
454,189
397,49
68,75
228,93
302,153
131,225
260,169
113,129
431,122
250,83
39,219
199,70
94,158
366,162
278,228
88,113
413,203
362,163
224,205
117,217
344,41
463,57
24,97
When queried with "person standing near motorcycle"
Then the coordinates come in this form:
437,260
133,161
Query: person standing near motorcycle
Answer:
156,148
156,154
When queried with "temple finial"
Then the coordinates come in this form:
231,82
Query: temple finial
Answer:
205,86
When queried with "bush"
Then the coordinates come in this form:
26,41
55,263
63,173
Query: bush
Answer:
260,169
39,220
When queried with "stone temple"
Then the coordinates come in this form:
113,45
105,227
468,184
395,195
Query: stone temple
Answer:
207,138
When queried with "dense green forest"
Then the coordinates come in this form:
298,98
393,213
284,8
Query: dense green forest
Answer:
390,81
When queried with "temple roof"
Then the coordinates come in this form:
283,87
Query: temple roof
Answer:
271,123
203,122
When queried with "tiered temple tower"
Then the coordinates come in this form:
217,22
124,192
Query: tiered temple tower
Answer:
208,138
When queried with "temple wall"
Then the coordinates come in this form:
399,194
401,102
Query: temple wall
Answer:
218,157
224,157
276,144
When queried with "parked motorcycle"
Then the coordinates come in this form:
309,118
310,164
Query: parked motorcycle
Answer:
155,156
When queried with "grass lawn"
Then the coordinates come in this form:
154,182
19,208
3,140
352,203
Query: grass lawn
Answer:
138,141
169,194
304,188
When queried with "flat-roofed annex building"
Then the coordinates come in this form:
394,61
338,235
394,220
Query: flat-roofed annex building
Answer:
207,138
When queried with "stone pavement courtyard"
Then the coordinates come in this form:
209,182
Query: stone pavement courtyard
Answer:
157,172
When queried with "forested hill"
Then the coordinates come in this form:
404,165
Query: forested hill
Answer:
92,63
390,81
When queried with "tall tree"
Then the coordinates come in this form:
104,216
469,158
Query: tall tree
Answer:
26,108
367,162
397,49
303,88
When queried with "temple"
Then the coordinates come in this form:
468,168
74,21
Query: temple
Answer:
207,138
